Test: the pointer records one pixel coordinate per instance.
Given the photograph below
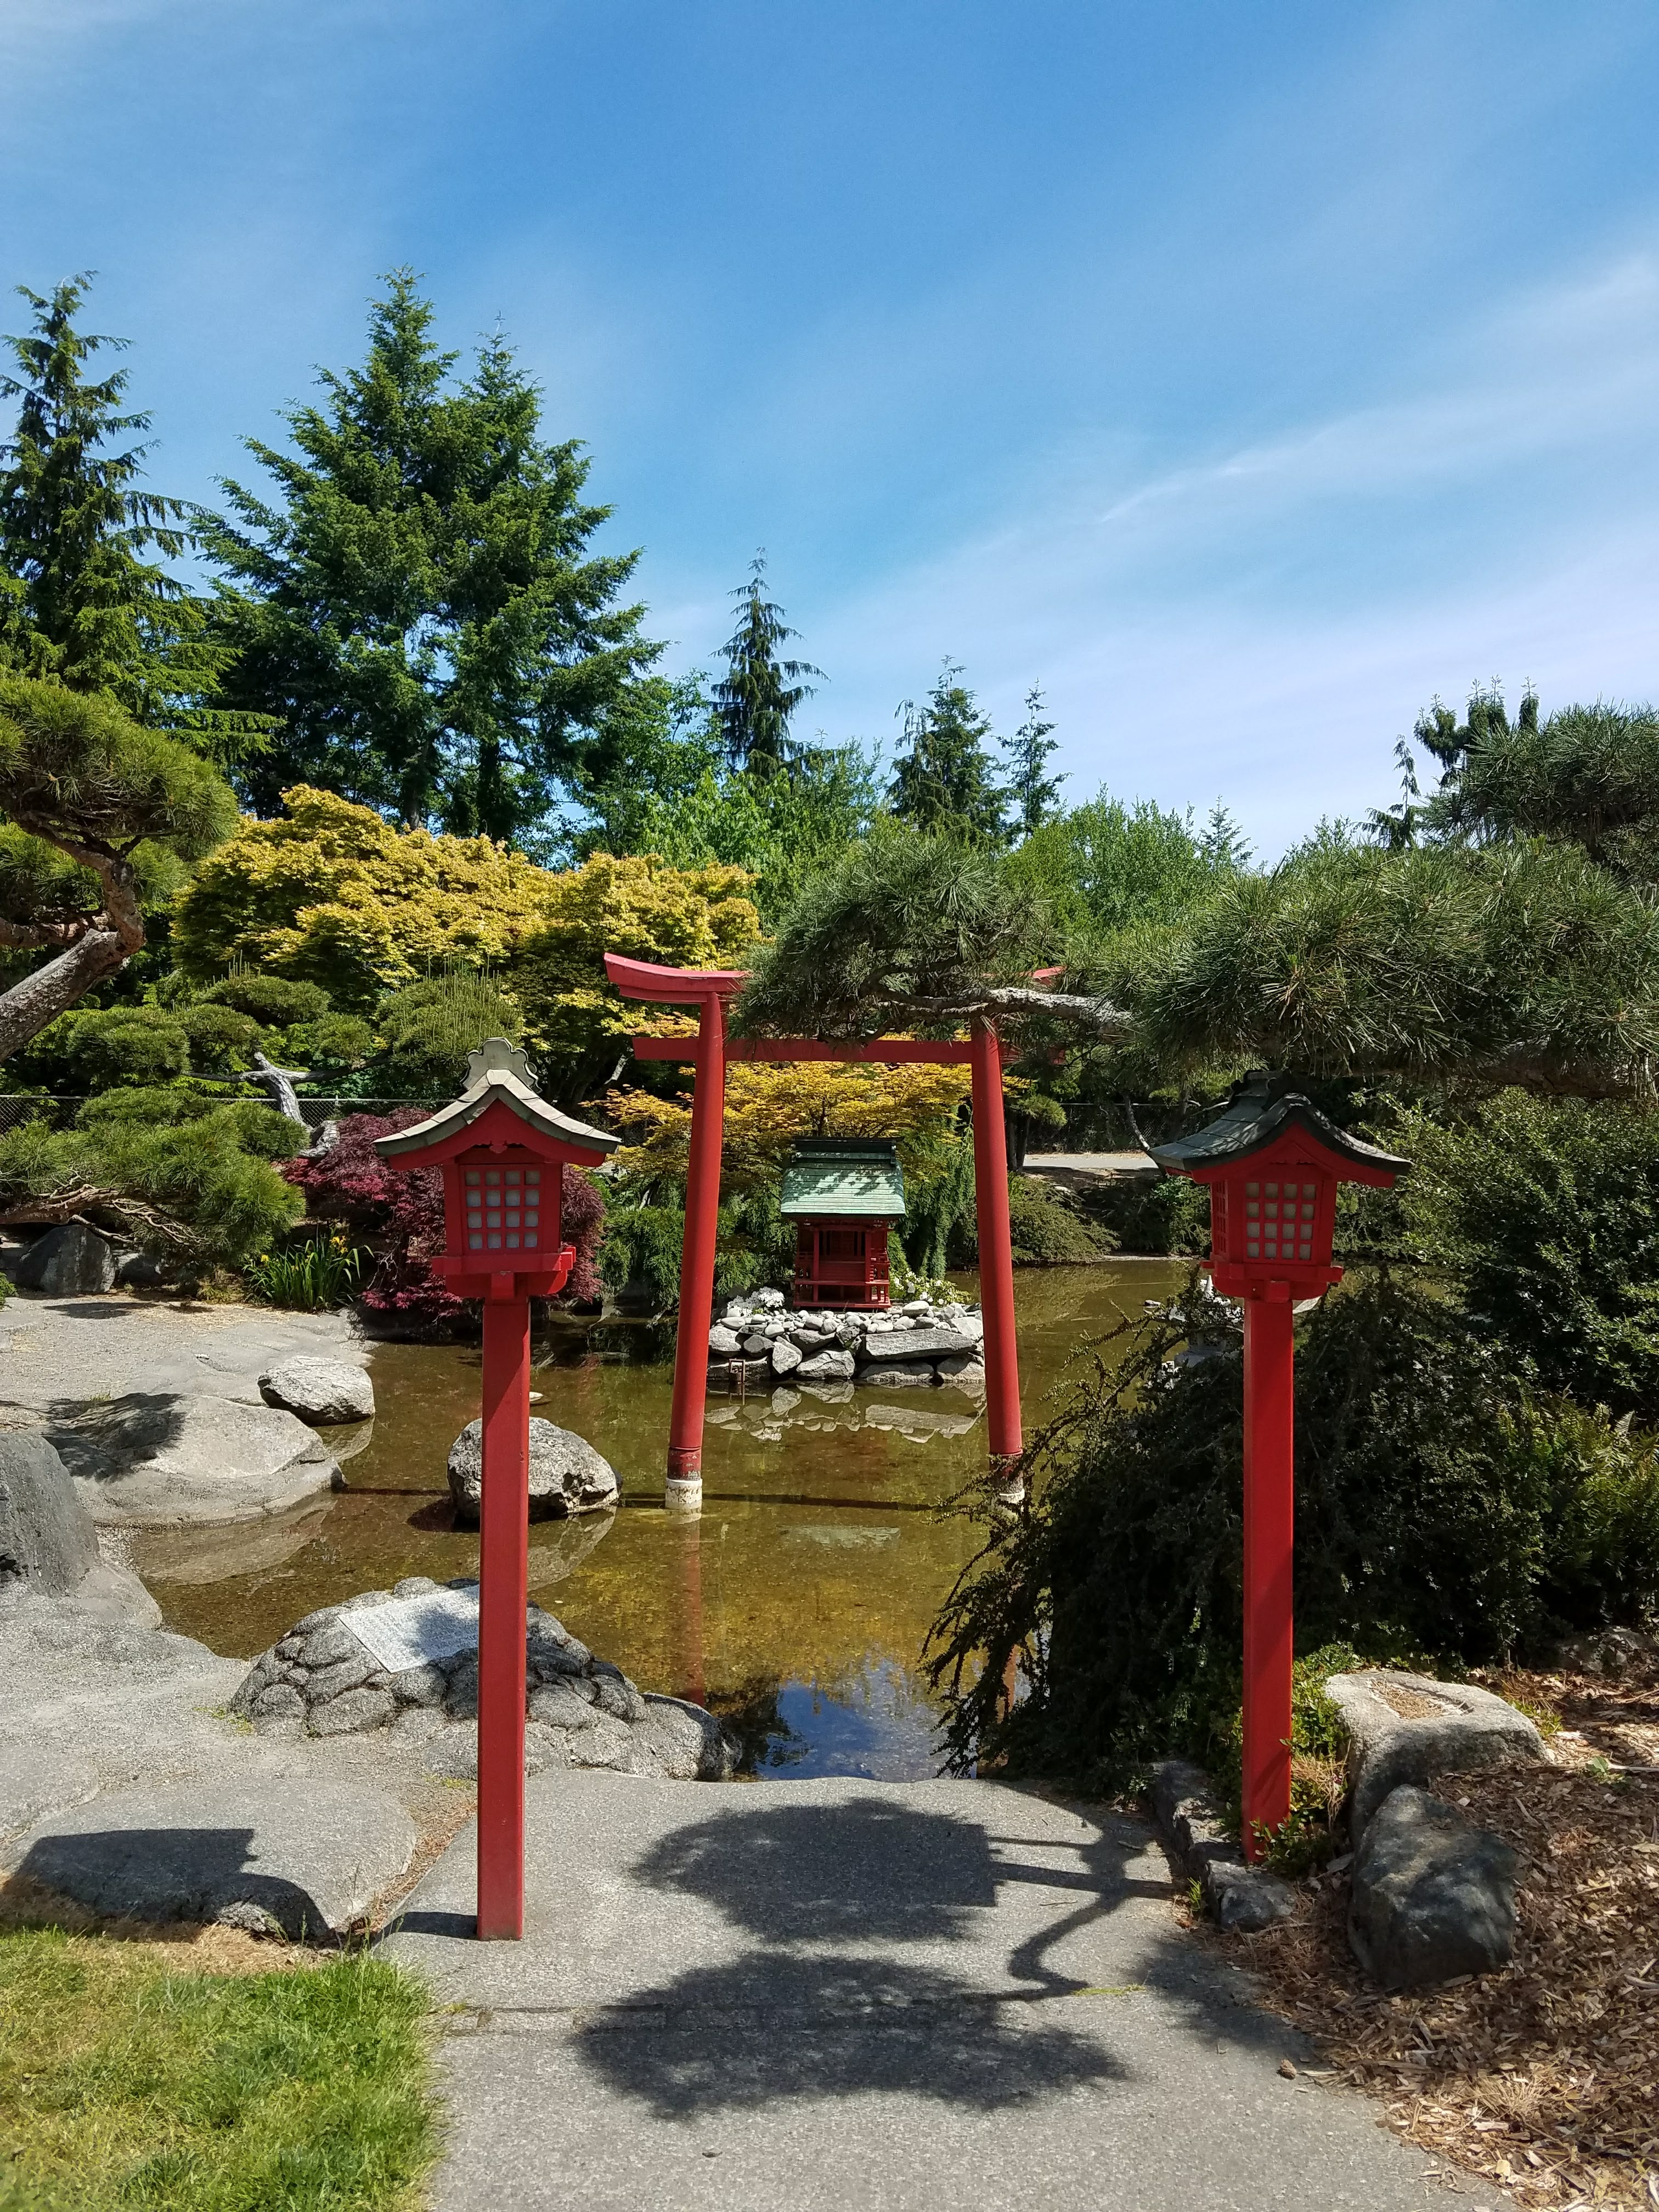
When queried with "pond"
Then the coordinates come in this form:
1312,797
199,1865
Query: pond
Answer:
795,1606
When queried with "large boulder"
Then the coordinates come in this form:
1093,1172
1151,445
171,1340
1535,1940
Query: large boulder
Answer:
154,1458
71,1261
322,1392
47,1535
827,1367
1433,1896
567,1476
912,1345
1408,1727
407,1660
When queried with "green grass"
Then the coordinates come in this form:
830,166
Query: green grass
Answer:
126,2083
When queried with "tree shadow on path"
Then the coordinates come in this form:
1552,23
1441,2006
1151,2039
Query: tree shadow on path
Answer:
849,1986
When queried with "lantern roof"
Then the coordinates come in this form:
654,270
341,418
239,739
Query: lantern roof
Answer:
497,1074
849,1178
1261,1110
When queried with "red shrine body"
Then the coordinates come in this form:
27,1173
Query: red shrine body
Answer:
1273,1164
501,1150
842,1264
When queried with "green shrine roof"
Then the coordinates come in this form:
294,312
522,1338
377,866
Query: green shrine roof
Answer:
858,1177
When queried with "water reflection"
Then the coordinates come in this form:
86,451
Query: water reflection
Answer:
796,1606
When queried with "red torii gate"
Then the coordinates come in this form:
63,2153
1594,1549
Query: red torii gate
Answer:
708,989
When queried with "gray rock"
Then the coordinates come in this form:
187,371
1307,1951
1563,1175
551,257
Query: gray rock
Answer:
912,1344
767,1301
893,1376
757,1345
71,1261
1433,1897
724,1343
556,1705
352,1711
1468,1728
615,1695
964,1367
156,1457
827,1367
139,1271
689,1744
419,1685
567,1476
289,1853
322,1392
47,1535
346,1675
785,1356
1241,1899
1244,1899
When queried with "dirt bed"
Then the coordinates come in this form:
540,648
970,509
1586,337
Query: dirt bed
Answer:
1545,2078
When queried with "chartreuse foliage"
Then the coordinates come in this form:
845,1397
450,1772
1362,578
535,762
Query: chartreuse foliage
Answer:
1440,1509
330,894
122,2082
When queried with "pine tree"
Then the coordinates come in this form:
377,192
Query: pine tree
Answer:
757,698
79,599
419,602
1033,793
1223,845
943,781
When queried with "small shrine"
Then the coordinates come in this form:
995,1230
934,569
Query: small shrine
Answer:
842,1193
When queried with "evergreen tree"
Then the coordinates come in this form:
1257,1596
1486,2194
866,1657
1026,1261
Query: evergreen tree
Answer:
943,781
1223,845
757,698
420,603
1034,793
80,601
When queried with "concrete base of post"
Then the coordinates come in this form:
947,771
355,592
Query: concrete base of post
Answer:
682,1493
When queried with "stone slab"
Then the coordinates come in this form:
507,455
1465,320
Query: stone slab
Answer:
912,1345
157,1458
826,1995
296,1855
1466,1728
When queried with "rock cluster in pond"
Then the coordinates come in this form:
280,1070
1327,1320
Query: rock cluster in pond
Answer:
912,1348
567,1476
323,1393
322,1680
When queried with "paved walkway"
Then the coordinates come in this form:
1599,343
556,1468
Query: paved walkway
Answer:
804,1995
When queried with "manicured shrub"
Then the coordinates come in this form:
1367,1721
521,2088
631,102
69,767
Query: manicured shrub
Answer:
427,1029
124,1045
1045,1230
271,1001
221,1039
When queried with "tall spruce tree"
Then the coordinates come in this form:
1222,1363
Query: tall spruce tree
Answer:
83,599
943,783
1032,792
419,601
757,696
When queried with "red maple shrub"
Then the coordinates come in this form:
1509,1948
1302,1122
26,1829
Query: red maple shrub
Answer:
400,1217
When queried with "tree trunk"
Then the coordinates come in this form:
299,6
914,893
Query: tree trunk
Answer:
27,1008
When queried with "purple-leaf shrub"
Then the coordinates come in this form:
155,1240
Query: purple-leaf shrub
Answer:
399,1214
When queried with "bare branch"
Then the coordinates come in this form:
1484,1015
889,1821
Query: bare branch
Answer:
67,930
121,1212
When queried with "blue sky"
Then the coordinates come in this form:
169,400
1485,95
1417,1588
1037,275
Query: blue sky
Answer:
1244,374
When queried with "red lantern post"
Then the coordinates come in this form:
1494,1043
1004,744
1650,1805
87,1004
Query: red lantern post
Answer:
501,1150
1273,1162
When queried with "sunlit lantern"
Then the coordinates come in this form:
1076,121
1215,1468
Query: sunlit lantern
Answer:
502,1151
1273,1162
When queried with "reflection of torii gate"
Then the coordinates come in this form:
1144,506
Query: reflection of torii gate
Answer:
708,989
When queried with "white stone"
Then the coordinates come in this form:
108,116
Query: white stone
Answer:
322,1392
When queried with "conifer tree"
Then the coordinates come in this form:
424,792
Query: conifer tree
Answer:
419,599
943,781
82,598
758,695
1033,792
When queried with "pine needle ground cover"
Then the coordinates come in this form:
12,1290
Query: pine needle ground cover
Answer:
1539,2079
132,2076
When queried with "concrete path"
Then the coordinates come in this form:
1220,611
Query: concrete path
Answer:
804,1995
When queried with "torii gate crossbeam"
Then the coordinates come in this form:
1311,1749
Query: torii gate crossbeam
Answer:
708,989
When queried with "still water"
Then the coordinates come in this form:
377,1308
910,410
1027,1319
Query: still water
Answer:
796,1607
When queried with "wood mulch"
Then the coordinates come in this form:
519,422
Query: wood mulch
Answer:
1543,2078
